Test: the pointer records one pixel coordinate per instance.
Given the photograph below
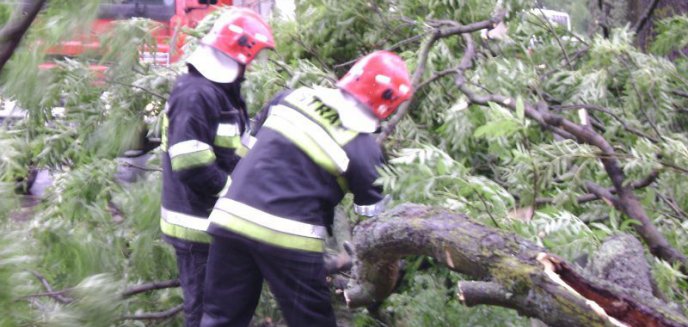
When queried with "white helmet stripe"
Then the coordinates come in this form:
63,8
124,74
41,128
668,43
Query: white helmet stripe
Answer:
235,28
382,79
261,37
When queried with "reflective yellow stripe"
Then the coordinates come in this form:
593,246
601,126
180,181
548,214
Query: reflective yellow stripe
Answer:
264,234
189,154
304,100
341,180
277,223
163,131
241,151
318,138
183,226
303,142
191,160
183,233
231,142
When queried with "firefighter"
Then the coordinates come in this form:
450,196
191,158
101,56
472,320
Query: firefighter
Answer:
205,130
315,145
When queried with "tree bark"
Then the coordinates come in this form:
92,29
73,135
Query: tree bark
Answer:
12,34
512,272
643,13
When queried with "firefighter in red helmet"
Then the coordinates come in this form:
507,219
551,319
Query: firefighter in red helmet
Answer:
205,130
314,146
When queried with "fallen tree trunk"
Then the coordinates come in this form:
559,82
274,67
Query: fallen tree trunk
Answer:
510,271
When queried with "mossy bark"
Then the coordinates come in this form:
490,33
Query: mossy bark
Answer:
514,267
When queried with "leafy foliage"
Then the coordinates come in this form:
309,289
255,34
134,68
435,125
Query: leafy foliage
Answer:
94,236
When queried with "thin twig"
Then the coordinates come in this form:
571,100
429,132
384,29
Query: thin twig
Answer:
487,209
672,204
390,48
150,287
129,164
640,98
435,77
610,113
588,197
137,87
556,38
57,295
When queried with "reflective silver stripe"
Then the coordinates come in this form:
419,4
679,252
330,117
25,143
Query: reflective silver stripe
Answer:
184,220
374,209
316,133
227,130
265,219
187,147
224,190
248,141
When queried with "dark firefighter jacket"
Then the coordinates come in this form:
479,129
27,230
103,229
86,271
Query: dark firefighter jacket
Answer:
202,142
284,191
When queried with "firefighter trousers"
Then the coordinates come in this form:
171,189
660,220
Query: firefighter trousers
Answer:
234,279
191,262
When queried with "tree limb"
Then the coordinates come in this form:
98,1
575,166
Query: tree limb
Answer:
602,193
541,285
12,34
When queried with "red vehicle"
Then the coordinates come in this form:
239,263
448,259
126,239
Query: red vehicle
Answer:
172,14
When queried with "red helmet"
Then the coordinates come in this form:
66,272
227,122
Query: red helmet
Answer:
379,80
240,33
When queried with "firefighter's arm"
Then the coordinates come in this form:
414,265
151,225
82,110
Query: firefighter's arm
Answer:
365,157
191,138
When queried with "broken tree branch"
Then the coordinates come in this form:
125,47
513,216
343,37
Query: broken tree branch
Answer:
12,34
541,285
627,201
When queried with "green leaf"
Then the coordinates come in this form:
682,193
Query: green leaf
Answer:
520,108
497,129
